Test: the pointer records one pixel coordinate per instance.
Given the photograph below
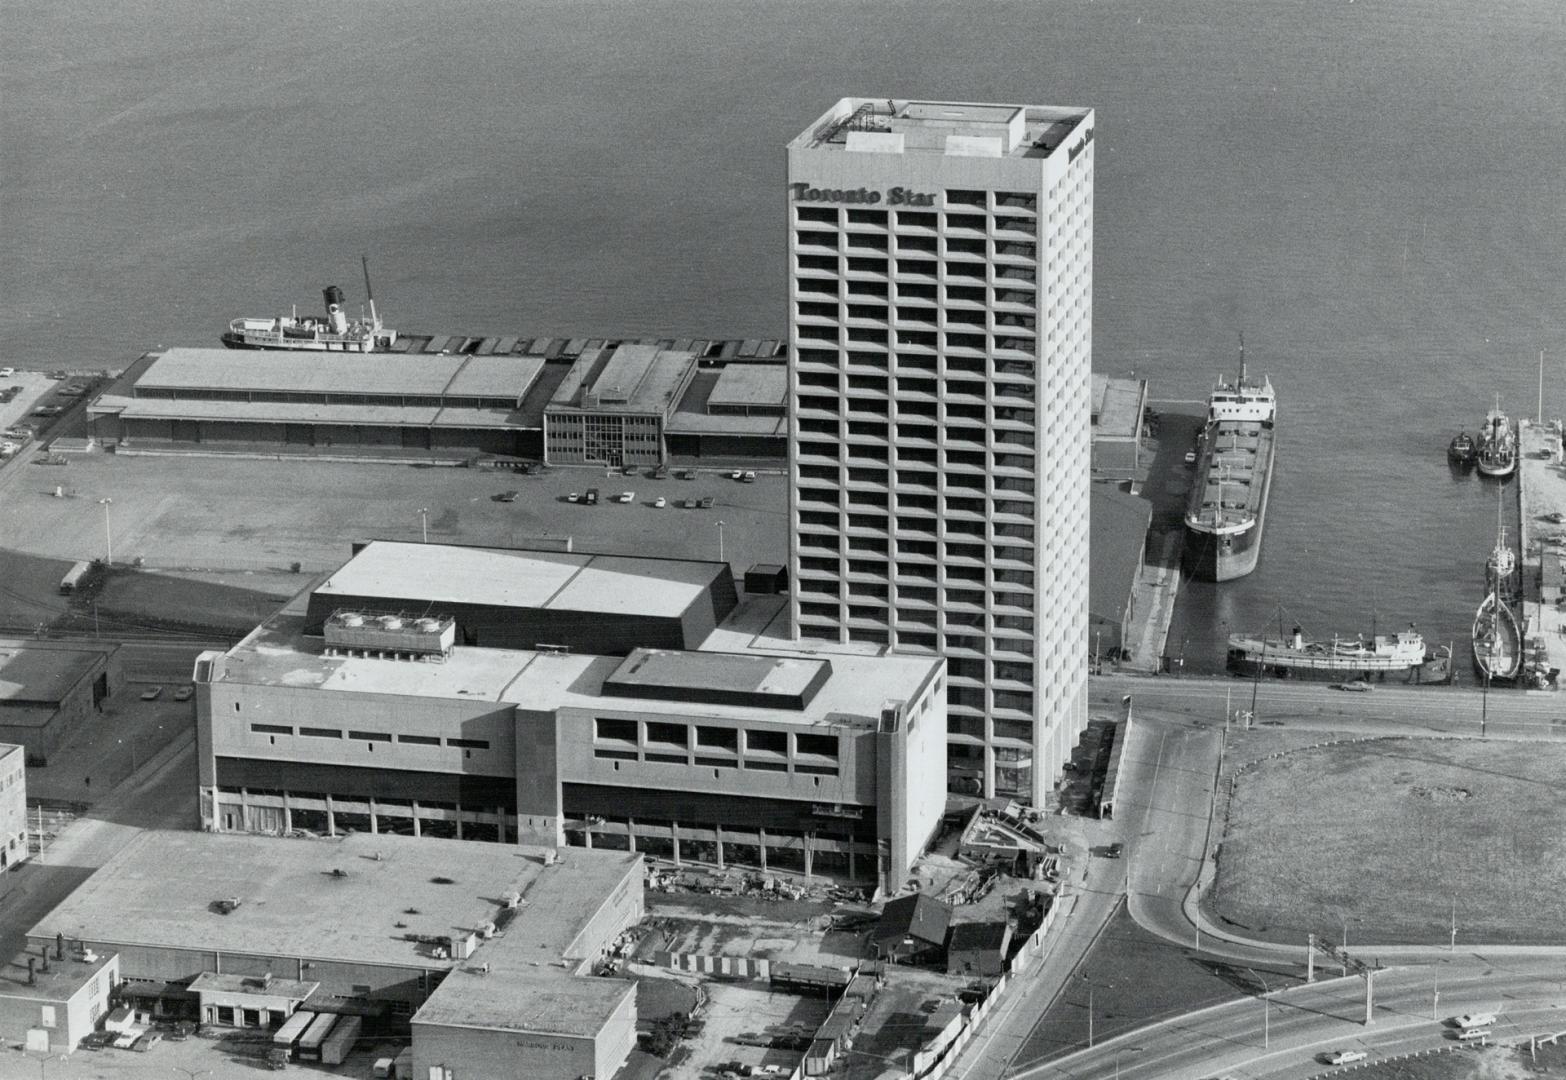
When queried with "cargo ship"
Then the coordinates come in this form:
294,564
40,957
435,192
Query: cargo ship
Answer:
1340,658
1228,502
333,332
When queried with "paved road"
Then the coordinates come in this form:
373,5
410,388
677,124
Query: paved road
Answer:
1286,1034
161,795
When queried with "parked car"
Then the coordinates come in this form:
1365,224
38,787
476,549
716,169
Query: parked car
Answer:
748,478
95,1040
1358,686
573,497
147,1041
592,496
736,474
152,693
626,496
507,496
1345,1057
184,693
48,410
1115,850
7,372
660,502
181,1030
707,502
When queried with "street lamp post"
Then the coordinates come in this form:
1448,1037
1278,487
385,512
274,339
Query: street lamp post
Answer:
424,523
1454,923
108,538
720,541
1266,1009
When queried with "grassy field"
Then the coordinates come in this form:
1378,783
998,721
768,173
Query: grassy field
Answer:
1494,1063
1381,836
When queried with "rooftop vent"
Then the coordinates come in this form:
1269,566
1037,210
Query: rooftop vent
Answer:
390,636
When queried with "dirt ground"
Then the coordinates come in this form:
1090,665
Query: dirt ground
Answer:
736,1009
212,513
786,930
1391,832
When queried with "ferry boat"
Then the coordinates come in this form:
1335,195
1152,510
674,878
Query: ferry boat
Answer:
1336,658
333,332
1497,454
1227,506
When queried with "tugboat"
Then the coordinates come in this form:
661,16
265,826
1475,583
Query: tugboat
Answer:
313,333
1497,455
1462,450
1228,502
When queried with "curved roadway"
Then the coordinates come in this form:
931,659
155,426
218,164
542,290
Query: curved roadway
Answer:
1164,811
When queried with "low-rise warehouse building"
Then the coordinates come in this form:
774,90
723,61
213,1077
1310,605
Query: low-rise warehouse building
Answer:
598,401
49,689
50,999
485,953
1119,522
730,746
1119,418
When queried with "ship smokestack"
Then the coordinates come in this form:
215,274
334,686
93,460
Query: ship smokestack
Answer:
334,309
1299,638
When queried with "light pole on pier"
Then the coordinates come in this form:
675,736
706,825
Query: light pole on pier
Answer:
108,538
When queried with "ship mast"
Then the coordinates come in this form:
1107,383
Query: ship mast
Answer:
375,320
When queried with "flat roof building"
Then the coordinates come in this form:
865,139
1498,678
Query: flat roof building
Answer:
48,689
940,341
49,1000
1119,414
461,939
716,740
13,806
456,398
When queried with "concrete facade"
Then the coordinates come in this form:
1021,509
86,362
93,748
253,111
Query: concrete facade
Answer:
13,806
737,748
940,341
613,405
52,1006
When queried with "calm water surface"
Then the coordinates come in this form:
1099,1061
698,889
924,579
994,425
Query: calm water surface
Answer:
1371,191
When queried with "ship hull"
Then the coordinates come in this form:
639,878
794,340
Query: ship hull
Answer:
1249,656
239,341
1497,640
1211,556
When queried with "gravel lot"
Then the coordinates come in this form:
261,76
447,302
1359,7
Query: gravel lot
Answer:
230,513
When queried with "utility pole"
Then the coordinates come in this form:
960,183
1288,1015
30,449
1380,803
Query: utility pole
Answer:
1454,923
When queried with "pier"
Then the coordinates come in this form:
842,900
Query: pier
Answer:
1541,495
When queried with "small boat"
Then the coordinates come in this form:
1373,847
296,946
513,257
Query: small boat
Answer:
1497,454
1497,640
1462,450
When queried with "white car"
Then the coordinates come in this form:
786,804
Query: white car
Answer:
736,474
1345,1057
626,496
7,372
660,502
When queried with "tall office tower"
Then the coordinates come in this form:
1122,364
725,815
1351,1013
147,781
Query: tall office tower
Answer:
940,333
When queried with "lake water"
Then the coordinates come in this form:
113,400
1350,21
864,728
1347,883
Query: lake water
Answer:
1370,191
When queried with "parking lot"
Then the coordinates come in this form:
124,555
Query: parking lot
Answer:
231,513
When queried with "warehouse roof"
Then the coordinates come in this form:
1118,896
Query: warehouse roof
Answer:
495,376
498,577
520,993
43,674
60,982
1118,523
311,372
167,889
751,384
625,378
1117,407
